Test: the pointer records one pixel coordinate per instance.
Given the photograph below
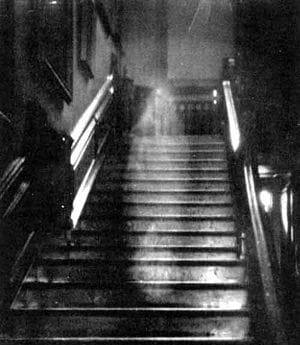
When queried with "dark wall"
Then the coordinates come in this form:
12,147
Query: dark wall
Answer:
144,30
200,36
6,55
266,46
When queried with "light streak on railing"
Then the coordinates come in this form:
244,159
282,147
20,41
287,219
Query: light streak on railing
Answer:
86,124
263,257
235,135
89,112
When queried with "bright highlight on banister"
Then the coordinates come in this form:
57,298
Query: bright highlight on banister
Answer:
85,125
235,135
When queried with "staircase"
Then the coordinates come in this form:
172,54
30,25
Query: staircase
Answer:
153,261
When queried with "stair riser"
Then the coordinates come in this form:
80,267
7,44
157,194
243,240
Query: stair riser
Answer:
152,175
236,327
173,146
164,224
161,186
176,198
158,211
177,140
147,297
140,156
130,240
167,165
142,254
154,255
115,273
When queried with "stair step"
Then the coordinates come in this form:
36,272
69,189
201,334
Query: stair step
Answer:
189,154
139,252
176,147
134,239
34,297
168,164
169,149
128,311
63,260
177,142
121,271
166,186
153,259
32,283
136,225
231,326
146,167
136,175
184,340
166,198
160,210
169,240
176,139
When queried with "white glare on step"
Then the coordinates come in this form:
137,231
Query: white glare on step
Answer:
215,93
159,92
266,199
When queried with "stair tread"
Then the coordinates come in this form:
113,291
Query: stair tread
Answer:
215,225
163,176
177,138
131,241
149,311
167,186
36,296
217,272
146,168
144,260
90,247
31,282
162,149
195,232
154,257
131,340
135,178
154,210
136,325
203,154
155,201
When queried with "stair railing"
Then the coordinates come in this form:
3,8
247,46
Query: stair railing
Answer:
85,127
245,173
85,134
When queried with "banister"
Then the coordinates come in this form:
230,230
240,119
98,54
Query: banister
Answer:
83,130
273,310
271,302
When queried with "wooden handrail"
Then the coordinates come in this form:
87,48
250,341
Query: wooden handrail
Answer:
273,310
272,306
87,183
84,129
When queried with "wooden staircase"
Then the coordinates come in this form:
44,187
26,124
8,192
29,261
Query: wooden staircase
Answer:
154,259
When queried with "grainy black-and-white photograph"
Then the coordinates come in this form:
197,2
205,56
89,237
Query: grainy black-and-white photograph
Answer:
149,172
